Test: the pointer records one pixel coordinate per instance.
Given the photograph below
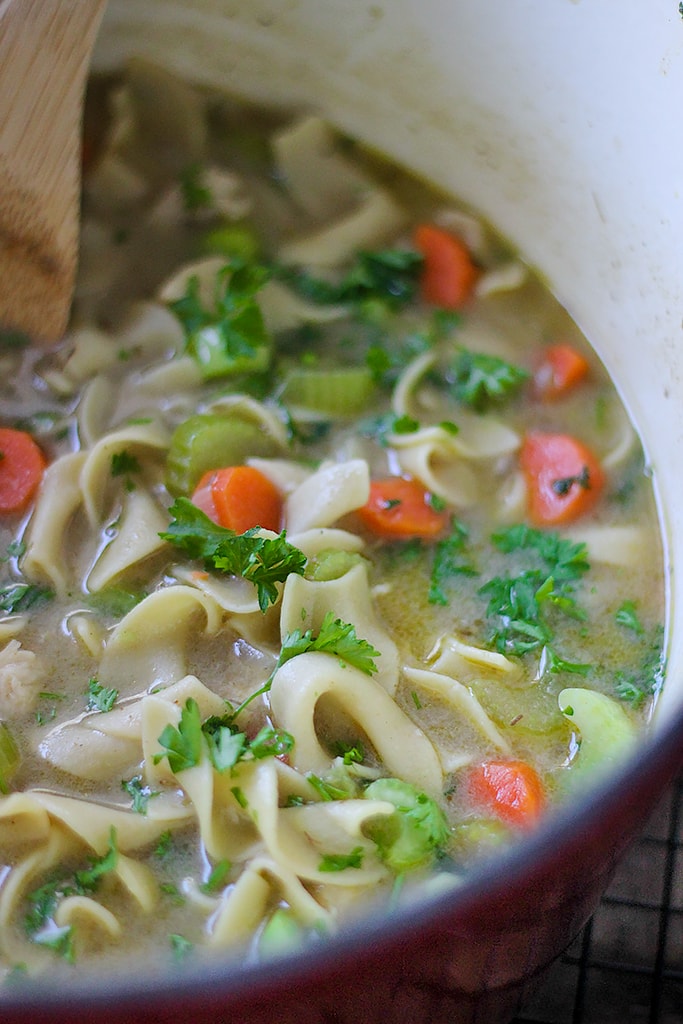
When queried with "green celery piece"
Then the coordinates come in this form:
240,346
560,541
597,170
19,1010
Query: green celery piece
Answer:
281,934
331,564
211,441
9,757
337,393
232,239
410,837
607,734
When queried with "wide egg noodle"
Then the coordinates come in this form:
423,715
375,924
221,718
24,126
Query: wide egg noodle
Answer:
244,905
292,838
85,914
148,648
98,745
136,539
462,700
299,684
138,439
59,498
305,603
327,495
18,882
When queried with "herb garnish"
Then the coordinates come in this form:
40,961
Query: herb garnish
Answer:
480,380
139,793
225,744
43,902
101,698
342,861
449,560
231,337
123,463
263,561
520,604
390,274
19,597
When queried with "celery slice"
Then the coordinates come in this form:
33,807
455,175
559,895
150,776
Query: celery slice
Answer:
606,733
9,757
341,392
281,934
208,441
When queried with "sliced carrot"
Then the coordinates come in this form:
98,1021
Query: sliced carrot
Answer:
239,498
449,273
22,465
401,508
512,790
564,478
560,370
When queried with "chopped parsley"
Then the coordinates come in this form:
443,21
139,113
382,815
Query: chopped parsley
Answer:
196,195
43,902
480,380
342,861
19,597
231,337
218,877
637,686
449,560
123,463
226,745
139,793
391,275
627,616
265,562
101,698
520,605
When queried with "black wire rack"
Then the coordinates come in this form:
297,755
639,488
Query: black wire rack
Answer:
626,967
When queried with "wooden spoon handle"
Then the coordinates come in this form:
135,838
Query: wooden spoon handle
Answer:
45,48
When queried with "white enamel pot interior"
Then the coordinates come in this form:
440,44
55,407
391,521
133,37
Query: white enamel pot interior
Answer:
559,121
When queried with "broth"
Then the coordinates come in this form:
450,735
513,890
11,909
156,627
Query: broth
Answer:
227,739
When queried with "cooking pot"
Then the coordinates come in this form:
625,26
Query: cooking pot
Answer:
558,120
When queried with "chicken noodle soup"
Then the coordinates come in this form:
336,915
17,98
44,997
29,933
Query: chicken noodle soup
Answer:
331,561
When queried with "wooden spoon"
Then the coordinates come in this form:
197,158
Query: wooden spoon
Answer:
45,50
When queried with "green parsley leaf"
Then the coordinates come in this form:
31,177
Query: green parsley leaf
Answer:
480,380
646,680
196,195
123,462
88,879
231,338
163,847
263,561
184,743
59,940
139,793
627,616
218,877
101,698
342,861
181,947
449,560
389,274
520,605
334,637
19,597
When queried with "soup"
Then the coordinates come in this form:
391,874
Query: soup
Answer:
332,563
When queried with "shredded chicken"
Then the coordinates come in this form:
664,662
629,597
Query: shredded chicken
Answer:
21,676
